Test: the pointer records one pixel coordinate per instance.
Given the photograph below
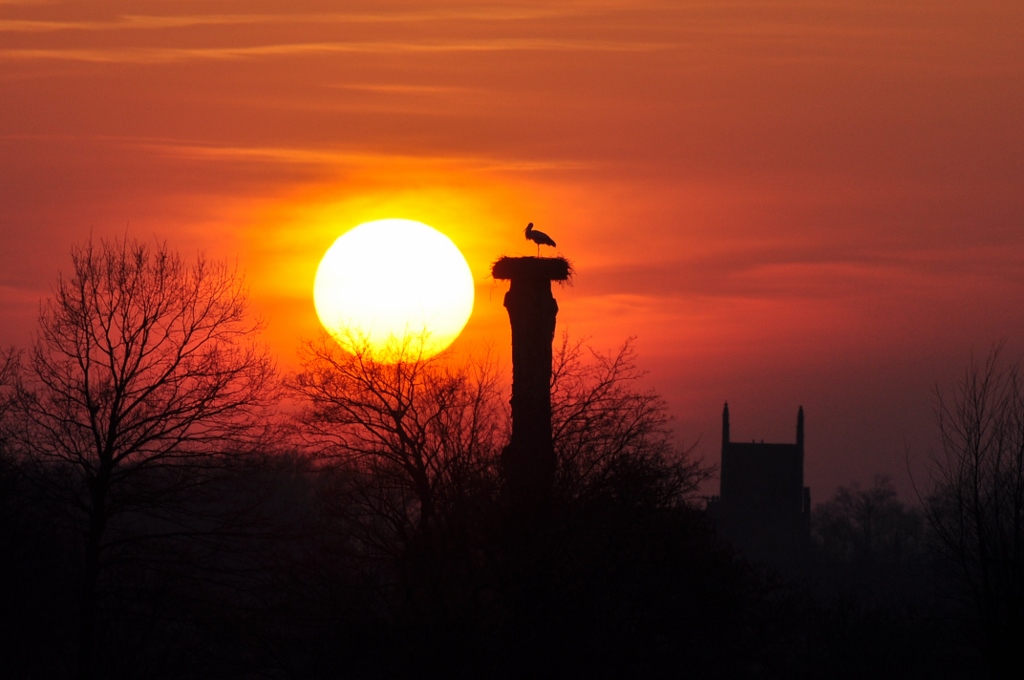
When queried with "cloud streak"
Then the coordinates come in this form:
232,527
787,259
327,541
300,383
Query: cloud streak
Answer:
167,55
130,22
334,158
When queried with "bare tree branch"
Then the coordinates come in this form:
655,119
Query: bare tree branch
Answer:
612,436
976,504
144,372
422,428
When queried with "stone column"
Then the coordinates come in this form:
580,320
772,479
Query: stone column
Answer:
528,461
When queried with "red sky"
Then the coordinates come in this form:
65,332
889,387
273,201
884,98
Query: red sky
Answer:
817,203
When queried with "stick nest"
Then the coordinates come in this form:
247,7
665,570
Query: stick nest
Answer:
550,268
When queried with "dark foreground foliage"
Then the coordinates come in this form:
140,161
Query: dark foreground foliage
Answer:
601,589
285,587
386,546
372,537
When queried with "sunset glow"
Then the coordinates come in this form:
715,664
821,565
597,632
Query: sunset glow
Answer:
396,285
286,390
785,203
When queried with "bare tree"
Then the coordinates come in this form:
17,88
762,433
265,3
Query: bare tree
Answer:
976,503
441,550
143,371
8,362
8,368
612,437
420,429
868,526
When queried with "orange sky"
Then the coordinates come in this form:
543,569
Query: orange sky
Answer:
817,203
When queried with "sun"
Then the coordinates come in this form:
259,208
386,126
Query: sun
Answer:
394,287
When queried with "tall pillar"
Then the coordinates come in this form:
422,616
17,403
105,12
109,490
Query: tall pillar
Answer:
725,426
528,461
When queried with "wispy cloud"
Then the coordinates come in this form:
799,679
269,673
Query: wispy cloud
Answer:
152,22
818,273
164,55
28,2
307,156
405,89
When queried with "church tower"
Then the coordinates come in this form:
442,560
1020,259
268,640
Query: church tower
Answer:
763,507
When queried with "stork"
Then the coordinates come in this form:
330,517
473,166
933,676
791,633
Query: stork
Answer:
538,237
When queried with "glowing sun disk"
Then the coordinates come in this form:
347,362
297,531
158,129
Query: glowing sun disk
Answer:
392,284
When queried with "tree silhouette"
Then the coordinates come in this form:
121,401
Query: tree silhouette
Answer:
421,430
8,368
424,428
868,526
976,503
612,436
143,372
416,441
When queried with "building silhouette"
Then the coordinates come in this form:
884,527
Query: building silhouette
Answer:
763,508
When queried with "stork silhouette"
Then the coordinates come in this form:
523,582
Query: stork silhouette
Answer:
538,237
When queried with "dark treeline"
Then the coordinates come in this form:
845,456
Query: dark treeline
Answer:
162,517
